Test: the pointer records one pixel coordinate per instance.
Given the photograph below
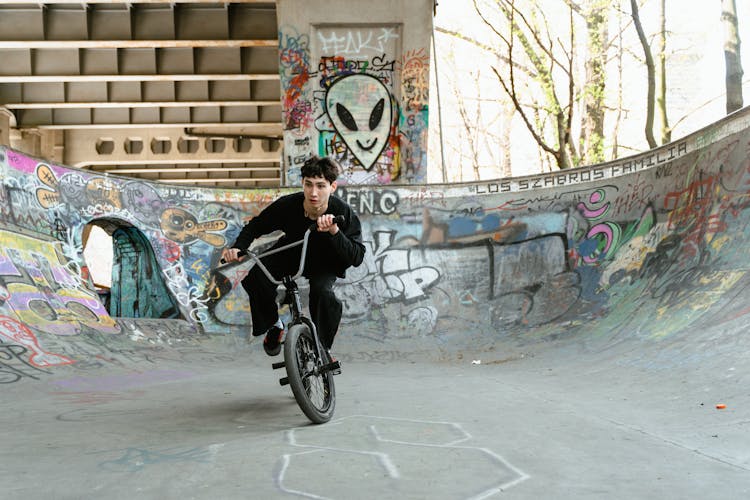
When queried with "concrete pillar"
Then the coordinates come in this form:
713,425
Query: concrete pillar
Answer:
6,121
355,86
52,145
26,141
47,144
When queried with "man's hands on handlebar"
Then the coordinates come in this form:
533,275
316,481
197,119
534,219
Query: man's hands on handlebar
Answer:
326,222
230,255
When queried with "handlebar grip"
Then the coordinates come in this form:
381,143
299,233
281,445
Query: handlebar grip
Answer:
339,219
241,253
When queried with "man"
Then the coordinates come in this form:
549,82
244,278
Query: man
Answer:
331,250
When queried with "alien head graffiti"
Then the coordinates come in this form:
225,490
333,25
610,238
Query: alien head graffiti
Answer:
359,107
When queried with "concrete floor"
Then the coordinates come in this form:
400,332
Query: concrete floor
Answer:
206,419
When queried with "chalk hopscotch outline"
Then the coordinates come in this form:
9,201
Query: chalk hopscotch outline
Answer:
385,460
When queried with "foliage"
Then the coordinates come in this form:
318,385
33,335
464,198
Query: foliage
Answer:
582,75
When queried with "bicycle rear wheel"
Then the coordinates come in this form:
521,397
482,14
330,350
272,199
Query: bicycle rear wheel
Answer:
314,391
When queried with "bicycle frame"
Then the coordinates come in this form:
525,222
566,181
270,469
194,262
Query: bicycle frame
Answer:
292,294
309,367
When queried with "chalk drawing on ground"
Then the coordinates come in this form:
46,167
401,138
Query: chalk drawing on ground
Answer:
391,452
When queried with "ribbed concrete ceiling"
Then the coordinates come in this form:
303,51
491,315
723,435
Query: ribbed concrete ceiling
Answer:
178,91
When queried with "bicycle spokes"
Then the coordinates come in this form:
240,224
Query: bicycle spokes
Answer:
311,382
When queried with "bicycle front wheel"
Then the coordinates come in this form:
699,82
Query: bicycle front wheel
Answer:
313,390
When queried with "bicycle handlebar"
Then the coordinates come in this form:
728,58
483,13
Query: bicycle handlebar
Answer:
339,219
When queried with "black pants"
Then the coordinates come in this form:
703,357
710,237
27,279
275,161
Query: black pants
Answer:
325,308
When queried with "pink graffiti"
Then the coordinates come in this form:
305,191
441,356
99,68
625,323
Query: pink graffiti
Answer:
22,162
609,237
594,213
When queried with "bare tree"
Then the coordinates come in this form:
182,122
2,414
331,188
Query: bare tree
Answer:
661,75
619,58
508,111
656,98
651,73
732,55
545,55
596,16
485,121
470,121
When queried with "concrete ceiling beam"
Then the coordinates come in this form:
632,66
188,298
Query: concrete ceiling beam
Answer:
133,44
135,104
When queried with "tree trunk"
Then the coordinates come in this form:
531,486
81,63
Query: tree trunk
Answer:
524,33
732,55
649,128
661,100
597,19
620,71
508,110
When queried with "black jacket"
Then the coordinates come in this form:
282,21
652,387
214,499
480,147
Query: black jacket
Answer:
326,253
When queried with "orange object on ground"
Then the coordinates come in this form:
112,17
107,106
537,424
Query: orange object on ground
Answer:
720,406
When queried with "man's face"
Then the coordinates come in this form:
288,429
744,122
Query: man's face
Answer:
317,190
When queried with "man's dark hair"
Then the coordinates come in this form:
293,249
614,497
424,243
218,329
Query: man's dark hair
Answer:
320,167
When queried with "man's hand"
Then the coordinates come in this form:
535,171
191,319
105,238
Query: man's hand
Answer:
230,254
325,223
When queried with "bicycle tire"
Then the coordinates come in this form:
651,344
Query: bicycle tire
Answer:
315,394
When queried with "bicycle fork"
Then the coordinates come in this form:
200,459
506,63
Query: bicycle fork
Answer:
323,363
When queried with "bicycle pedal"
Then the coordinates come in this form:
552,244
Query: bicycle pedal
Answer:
334,367
278,365
284,381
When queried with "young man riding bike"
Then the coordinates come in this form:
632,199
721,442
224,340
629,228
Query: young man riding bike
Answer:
331,251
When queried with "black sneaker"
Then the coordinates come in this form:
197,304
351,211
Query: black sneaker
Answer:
272,342
329,359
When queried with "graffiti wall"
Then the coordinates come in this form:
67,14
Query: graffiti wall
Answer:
642,246
353,92
42,286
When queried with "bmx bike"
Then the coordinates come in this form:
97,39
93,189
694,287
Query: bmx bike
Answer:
309,367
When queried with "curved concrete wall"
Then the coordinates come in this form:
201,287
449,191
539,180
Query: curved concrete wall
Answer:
638,247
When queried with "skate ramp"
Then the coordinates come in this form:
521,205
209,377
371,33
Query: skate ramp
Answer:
649,248
567,334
